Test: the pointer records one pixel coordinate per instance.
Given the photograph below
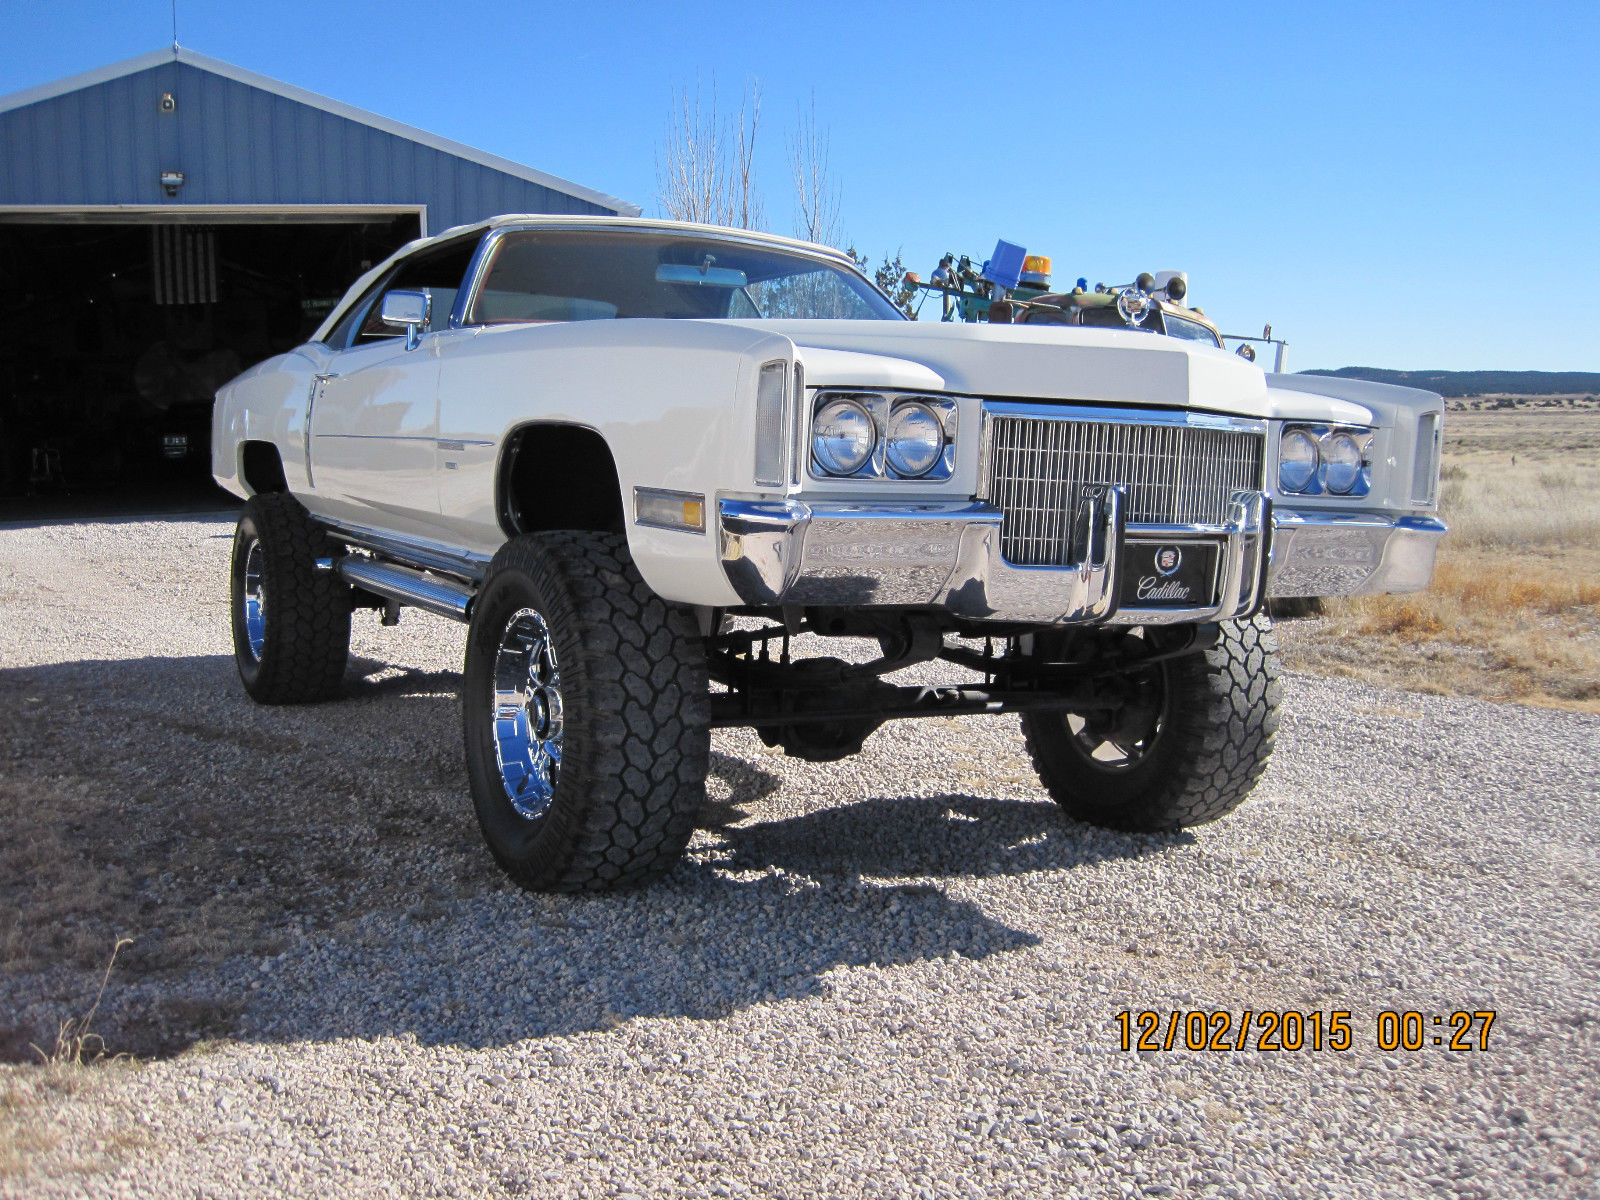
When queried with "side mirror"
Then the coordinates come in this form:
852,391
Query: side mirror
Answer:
409,311
1246,352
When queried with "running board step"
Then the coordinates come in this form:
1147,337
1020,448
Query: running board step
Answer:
431,593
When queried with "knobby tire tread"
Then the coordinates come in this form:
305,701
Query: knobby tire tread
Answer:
1222,727
637,769
307,641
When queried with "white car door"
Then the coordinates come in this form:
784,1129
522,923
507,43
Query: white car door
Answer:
374,409
374,420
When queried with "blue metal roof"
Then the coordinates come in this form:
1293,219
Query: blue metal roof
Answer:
242,139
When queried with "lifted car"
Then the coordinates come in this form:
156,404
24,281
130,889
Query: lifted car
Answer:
596,439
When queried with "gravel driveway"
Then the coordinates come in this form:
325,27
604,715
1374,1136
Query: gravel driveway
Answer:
894,976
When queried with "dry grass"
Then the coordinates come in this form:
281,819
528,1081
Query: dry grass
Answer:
23,1136
75,1037
63,1120
1514,609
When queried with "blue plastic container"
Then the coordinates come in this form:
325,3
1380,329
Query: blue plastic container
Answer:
1005,265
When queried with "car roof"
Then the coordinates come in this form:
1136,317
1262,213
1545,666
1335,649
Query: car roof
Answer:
556,221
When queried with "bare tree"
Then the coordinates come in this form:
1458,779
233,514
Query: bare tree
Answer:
707,171
817,196
744,200
686,174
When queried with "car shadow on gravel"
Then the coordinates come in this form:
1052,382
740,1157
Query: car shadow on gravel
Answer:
315,873
952,835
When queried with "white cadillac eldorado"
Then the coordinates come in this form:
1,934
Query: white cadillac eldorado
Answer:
597,439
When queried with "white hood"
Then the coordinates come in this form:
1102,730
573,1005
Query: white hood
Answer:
1044,362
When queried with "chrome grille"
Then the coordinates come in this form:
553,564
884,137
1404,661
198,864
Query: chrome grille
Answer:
1173,475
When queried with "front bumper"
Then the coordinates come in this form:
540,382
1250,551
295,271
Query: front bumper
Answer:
1321,553
947,555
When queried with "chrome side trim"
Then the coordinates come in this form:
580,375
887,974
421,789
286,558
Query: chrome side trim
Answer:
318,382
381,437
416,552
443,597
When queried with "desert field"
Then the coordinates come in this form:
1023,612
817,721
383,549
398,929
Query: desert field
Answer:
1514,610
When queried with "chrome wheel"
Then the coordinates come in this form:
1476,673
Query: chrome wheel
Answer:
528,715
254,601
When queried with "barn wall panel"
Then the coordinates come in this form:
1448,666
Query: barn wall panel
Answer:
239,145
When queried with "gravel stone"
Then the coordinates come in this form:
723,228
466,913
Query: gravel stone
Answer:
893,976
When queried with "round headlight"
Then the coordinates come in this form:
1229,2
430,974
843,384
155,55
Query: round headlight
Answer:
842,437
915,440
1297,461
1341,464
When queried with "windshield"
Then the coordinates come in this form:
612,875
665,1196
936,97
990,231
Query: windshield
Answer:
588,275
1192,331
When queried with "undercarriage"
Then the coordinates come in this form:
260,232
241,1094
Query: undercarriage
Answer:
823,708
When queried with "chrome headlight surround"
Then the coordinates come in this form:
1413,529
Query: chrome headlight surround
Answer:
887,410
1343,459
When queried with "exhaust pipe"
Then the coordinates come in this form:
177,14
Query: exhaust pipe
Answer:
432,593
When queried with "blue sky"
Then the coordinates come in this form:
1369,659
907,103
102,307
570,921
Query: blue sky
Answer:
1397,185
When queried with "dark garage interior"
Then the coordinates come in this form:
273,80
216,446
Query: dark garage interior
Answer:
167,221
119,333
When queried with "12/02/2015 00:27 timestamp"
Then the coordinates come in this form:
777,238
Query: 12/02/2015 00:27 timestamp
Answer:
1289,1030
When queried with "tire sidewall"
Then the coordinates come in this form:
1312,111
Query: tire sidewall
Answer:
250,666
1221,709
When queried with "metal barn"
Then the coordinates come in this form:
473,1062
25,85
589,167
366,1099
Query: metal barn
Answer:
168,220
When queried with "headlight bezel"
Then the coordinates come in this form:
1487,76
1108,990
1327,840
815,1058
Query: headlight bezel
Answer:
1324,437
882,407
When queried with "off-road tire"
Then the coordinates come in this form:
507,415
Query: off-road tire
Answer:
1220,717
306,637
635,741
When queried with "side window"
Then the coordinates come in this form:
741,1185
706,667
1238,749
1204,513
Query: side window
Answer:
440,271
339,336
534,279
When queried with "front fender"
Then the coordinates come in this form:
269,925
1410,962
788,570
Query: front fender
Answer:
1410,430
674,402
266,403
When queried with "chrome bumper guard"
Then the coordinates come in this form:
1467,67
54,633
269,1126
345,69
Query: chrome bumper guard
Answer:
790,552
948,556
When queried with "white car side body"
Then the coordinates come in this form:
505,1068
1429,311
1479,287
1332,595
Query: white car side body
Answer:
409,442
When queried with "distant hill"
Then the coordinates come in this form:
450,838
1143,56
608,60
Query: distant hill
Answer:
1480,383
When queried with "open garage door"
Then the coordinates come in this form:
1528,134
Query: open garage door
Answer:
120,325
